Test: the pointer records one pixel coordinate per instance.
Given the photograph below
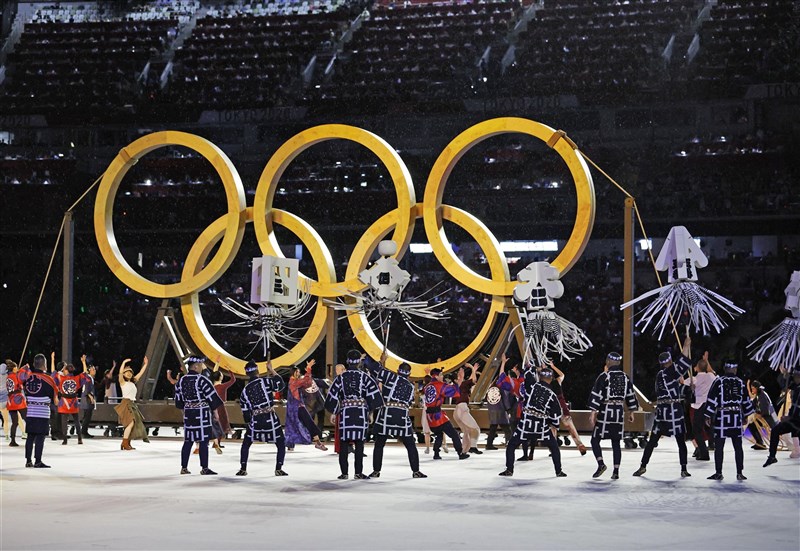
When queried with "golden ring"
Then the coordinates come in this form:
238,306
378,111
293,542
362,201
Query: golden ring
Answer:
437,179
233,221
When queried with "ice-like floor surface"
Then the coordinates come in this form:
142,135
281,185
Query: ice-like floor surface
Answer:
98,497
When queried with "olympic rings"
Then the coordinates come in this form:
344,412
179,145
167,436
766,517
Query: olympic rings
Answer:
437,179
234,220
400,221
193,317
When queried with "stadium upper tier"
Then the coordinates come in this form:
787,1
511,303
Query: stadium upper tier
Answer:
114,62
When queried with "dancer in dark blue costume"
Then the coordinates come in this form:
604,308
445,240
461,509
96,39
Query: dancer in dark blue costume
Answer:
195,395
728,407
393,419
259,415
351,397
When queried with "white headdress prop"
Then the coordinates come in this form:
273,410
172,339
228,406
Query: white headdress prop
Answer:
385,281
545,331
780,346
276,304
681,257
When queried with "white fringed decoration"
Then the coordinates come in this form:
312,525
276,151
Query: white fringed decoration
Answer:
547,333
706,308
682,258
381,297
780,346
375,308
270,324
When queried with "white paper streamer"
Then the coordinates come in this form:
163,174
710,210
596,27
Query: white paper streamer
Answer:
705,307
780,346
547,333
270,324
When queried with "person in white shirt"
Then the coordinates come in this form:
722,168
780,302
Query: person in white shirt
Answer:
128,412
704,376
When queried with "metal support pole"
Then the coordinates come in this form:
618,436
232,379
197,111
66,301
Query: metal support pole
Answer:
68,287
627,289
331,344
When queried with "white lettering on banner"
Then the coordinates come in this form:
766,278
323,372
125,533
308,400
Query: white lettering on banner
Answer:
9,122
773,91
520,105
236,116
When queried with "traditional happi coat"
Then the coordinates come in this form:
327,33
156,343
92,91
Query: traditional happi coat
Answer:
16,397
670,399
497,402
195,395
313,396
87,390
393,419
352,396
435,394
612,391
40,392
69,391
794,408
540,410
258,410
728,406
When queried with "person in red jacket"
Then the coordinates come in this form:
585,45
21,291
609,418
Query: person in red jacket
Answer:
17,406
435,394
68,385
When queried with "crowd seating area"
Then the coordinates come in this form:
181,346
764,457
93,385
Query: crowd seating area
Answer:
85,63
99,11
104,61
246,59
748,42
594,49
419,52
723,176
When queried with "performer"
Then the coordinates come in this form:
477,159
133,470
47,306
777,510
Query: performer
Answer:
466,422
435,393
789,423
127,411
393,419
222,386
352,396
612,392
765,411
55,416
703,378
17,406
300,427
558,389
669,407
87,402
337,443
110,385
40,391
541,414
69,387
195,395
513,384
314,400
4,398
727,410
498,403
259,414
